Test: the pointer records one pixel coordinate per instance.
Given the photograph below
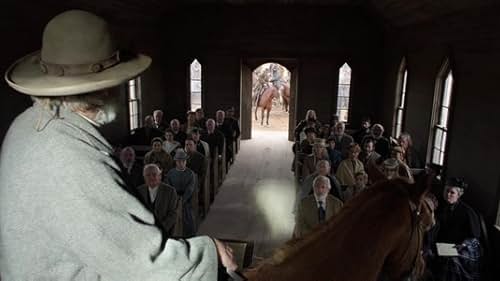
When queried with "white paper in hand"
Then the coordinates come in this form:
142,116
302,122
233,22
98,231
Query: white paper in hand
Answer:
446,250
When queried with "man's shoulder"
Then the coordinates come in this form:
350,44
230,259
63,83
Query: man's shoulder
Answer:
167,187
334,200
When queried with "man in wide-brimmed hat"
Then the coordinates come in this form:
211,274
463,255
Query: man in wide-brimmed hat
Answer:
64,213
184,181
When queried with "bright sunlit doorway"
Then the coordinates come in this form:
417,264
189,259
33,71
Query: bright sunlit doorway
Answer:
270,98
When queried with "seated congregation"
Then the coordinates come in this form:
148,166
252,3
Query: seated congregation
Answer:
332,167
175,170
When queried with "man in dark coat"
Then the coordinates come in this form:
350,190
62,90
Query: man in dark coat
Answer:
159,198
214,138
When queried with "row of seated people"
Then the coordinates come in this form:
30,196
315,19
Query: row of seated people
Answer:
212,131
194,170
332,174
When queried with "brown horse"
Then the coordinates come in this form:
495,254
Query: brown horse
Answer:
265,102
377,235
285,96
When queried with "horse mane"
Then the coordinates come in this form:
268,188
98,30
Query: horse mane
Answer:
393,195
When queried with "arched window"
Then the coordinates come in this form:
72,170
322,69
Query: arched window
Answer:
441,112
343,92
400,99
195,85
134,103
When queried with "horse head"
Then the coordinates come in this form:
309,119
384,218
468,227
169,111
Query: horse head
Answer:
378,233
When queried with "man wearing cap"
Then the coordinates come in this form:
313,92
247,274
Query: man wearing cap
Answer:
183,180
319,153
64,211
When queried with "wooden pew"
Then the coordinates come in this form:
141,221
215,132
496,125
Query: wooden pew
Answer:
178,229
205,190
214,171
195,203
222,166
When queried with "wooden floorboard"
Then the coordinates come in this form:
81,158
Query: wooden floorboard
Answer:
255,201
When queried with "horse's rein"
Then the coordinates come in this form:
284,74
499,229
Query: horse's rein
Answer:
415,213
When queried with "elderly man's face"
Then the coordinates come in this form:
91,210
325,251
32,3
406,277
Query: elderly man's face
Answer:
324,169
339,129
158,116
174,124
220,116
210,125
377,131
190,146
127,156
321,189
152,177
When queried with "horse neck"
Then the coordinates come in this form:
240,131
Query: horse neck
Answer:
351,247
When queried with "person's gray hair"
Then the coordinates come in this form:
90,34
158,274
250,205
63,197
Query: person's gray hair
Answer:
151,166
323,179
322,162
125,149
84,102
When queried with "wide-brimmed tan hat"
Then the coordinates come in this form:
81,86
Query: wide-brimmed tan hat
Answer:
78,56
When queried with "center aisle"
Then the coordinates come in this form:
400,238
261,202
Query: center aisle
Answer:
255,201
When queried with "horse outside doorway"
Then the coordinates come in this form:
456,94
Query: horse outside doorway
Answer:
270,97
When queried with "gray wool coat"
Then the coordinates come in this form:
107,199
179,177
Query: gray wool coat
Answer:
64,214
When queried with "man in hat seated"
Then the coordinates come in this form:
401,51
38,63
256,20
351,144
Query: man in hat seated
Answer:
64,211
316,208
318,153
159,198
183,180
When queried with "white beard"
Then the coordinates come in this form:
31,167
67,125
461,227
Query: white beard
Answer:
105,116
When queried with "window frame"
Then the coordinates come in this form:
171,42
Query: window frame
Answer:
440,86
401,99
349,97
190,81
132,100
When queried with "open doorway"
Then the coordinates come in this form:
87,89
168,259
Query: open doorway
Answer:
271,98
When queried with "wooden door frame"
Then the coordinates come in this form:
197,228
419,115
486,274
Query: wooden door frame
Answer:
247,66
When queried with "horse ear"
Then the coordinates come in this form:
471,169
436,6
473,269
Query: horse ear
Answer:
421,186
